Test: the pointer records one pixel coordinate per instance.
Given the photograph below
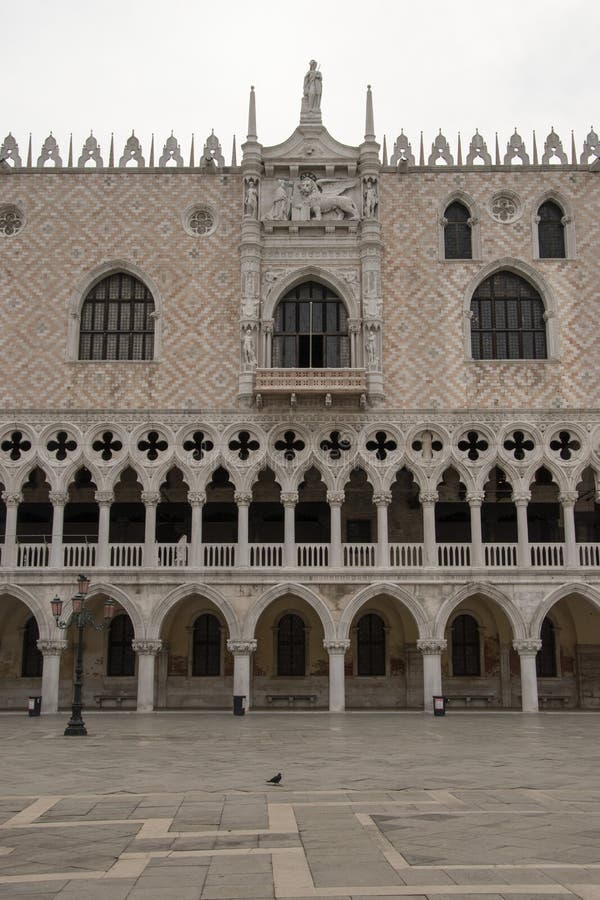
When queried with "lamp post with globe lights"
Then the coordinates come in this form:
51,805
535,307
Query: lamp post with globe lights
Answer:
80,617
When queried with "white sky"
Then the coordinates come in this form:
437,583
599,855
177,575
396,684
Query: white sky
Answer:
114,65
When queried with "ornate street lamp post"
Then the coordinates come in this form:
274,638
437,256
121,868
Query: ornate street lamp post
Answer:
80,617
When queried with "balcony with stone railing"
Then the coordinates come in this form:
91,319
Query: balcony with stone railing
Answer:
302,382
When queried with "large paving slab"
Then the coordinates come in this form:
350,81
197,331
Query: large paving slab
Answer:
374,805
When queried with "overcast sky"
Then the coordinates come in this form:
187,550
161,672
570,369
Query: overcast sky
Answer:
187,65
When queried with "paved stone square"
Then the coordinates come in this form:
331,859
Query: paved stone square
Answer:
175,805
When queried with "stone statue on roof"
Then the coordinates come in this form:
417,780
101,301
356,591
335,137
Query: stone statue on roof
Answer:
313,87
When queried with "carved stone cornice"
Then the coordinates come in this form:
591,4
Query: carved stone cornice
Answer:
104,498
289,498
382,498
428,497
147,648
431,647
52,648
527,646
196,498
58,498
336,648
150,498
335,498
243,498
12,499
242,648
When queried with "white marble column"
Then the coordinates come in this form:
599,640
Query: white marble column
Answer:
568,500
428,500
196,499
104,500
289,500
523,556
59,500
475,499
335,500
382,500
527,650
337,686
431,651
150,500
243,500
242,659
52,652
9,551
146,654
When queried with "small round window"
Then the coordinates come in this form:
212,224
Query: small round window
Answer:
199,221
11,220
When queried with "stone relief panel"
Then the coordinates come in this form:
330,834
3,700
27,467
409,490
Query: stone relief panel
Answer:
310,197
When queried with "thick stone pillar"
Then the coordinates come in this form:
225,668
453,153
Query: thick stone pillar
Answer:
337,687
428,501
146,654
243,500
382,501
9,551
335,500
527,650
150,500
475,499
52,652
196,499
242,659
568,500
523,556
59,501
431,651
104,500
289,500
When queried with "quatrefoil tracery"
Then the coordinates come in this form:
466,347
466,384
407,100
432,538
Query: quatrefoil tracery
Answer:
427,445
152,445
335,445
61,445
244,445
290,445
519,445
382,445
199,444
473,445
16,445
107,446
565,444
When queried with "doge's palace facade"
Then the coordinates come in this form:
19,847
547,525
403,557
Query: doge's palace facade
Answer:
324,425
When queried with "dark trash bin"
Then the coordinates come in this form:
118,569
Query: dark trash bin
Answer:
34,706
439,705
239,704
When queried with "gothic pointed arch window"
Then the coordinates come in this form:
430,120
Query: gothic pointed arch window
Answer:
206,646
370,645
32,660
551,231
507,319
310,329
465,646
457,232
291,646
117,320
545,661
121,655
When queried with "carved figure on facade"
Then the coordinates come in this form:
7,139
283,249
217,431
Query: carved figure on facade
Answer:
315,198
90,151
132,151
248,351
9,151
251,197
171,152
478,150
49,152
282,203
212,153
371,350
370,197
313,88
515,149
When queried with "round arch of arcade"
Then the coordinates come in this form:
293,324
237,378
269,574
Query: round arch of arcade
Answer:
292,589
179,593
577,589
378,589
487,592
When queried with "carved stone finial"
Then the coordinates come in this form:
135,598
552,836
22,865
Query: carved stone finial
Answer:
478,150
9,151
132,151
515,149
591,147
212,154
171,152
369,120
90,151
49,152
310,110
553,148
402,151
252,133
440,150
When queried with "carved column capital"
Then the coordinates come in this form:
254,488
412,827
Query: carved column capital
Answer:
196,498
243,498
289,498
104,498
335,498
527,646
382,498
241,648
522,499
58,498
568,498
267,326
147,648
428,497
336,648
150,498
475,498
354,326
12,499
431,647
52,648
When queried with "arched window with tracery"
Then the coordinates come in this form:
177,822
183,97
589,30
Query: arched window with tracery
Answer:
465,646
291,645
311,329
507,319
545,661
117,320
370,645
206,646
457,232
32,659
121,656
551,231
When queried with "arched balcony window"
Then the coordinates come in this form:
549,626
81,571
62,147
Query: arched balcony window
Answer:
507,319
370,643
311,329
206,651
457,232
291,646
551,231
465,646
545,661
32,660
117,320
121,656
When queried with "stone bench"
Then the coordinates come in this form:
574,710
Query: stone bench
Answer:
469,699
547,699
291,699
117,699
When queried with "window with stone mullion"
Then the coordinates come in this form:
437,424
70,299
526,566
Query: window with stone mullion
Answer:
465,646
551,231
206,658
507,319
121,655
457,232
370,642
291,646
116,320
311,330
